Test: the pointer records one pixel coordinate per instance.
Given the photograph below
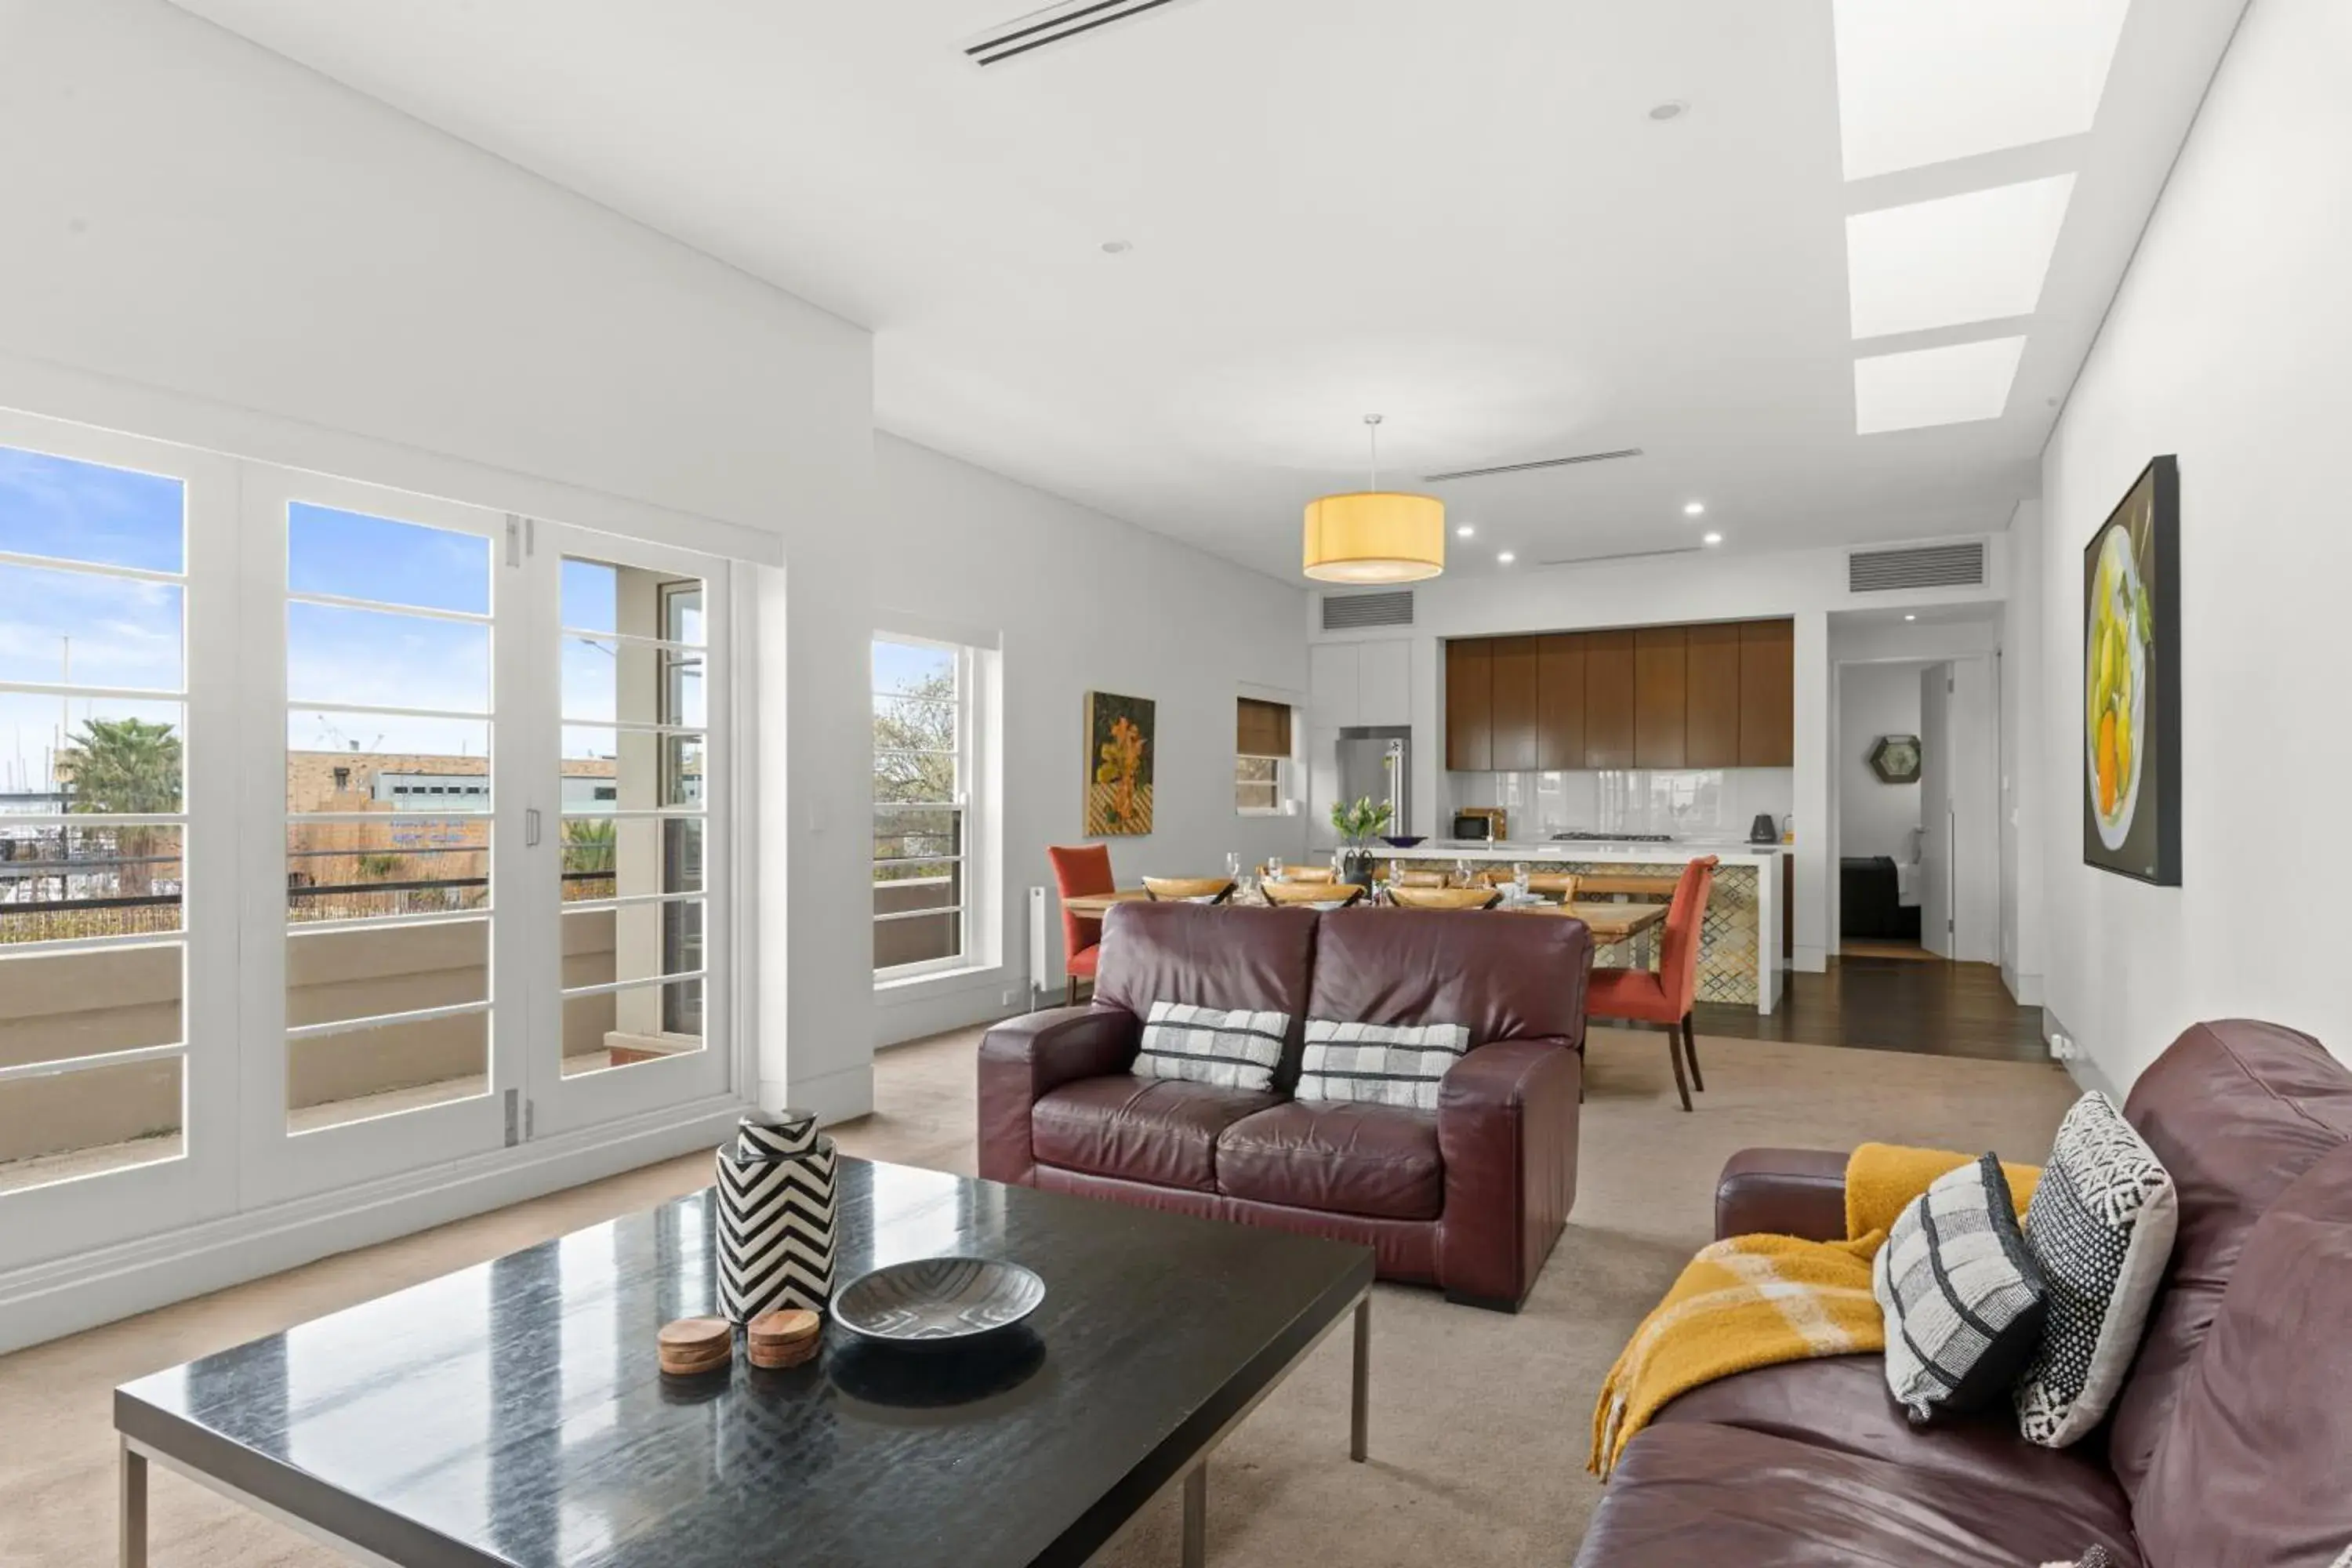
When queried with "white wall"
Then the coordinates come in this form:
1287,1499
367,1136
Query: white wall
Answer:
1083,603
1874,817
1805,584
2022,904
2226,345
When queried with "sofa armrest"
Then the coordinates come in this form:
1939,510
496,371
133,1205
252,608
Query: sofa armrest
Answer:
1782,1191
1506,1123
1024,1058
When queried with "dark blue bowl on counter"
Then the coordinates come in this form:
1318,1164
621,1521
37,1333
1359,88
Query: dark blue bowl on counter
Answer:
1404,840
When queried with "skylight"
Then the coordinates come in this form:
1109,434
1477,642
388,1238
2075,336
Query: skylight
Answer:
1945,263
1926,81
1920,387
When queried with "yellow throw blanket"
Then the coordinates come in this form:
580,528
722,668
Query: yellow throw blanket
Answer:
1751,1302
1758,1300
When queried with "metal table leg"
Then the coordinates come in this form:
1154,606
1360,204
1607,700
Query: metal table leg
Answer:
1196,1516
1360,1415
133,1507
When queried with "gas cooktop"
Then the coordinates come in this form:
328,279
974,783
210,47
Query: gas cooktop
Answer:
1581,835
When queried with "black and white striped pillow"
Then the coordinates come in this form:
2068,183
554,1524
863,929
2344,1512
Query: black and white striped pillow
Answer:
1236,1049
1378,1064
1963,1296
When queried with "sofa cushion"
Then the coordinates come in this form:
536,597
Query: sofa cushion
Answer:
1232,1049
1691,1492
1502,976
1259,960
1964,1299
1161,1130
1374,1160
1378,1064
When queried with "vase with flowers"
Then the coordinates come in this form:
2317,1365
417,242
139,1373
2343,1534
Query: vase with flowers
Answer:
1358,822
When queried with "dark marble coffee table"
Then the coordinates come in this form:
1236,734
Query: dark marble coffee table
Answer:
512,1414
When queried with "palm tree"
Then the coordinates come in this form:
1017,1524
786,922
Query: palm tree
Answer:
125,767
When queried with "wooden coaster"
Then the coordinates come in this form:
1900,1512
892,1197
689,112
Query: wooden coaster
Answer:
778,1339
692,1346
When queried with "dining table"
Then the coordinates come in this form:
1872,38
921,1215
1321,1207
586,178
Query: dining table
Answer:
1610,922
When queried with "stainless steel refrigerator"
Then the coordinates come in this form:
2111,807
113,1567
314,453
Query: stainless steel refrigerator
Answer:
1377,760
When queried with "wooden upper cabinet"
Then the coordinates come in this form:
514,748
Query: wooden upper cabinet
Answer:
1711,691
1767,686
1515,709
1660,699
1469,706
1609,700
1559,702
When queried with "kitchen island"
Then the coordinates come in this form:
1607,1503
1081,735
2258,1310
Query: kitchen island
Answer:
1740,959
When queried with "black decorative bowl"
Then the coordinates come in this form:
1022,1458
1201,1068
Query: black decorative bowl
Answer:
1404,840
936,1303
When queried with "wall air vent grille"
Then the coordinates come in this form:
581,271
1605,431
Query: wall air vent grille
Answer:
1916,566
1531,467
1347,612
1054,25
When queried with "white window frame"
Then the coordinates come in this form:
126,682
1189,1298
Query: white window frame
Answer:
972,730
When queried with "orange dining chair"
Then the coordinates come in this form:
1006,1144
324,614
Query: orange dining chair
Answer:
1080,871
1639,996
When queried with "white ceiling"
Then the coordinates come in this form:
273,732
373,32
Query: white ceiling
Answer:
1458,216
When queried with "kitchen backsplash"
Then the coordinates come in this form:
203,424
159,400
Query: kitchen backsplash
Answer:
1689,802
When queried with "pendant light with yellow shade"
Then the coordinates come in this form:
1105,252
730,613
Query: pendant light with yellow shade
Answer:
1375,535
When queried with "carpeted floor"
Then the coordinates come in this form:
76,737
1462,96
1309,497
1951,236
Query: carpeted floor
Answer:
1479,1421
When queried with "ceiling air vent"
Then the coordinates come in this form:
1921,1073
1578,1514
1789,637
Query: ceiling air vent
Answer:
1347,612
1531,467
1054,25
1916,566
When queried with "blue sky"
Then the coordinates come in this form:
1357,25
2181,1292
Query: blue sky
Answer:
129,634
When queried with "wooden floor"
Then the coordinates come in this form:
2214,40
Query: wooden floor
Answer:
1894,1004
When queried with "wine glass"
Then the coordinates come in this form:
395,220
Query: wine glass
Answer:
1234,865
1518,887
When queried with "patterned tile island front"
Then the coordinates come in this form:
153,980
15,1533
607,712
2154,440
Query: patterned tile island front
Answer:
1740,946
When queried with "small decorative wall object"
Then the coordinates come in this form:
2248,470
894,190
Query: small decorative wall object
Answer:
1895,759
776,1217
1121,745
2131,683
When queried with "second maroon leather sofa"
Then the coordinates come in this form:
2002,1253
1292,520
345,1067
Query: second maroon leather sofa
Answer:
1469,1197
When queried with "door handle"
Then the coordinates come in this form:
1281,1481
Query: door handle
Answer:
530,827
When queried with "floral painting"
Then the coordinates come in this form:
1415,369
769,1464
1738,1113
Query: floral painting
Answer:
1120,740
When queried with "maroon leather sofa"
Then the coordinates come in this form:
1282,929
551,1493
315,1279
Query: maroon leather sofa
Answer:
2229,1447
1470,1197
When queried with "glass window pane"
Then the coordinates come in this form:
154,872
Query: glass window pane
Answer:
384,659
588,590
607,679
917,833
633,600
73,510
354,556
367,762
335,1079
913,669
605,859
681,610
917,938
683,699
636,941
630,770
92,754
400,866
56,1128
56,1006
57,883
77,628
623,1029
333,977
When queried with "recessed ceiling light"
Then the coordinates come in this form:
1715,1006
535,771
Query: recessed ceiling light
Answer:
1505,558
1934,387
1464,531
1694,508
1673,108
1116,247
1910,617
1712,539
1955,260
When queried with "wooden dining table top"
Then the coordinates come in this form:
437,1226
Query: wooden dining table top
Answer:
1610,922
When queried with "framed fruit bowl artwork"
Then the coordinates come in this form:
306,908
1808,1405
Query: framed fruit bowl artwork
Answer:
2131,683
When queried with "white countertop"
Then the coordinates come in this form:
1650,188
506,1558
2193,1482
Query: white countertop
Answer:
1587,849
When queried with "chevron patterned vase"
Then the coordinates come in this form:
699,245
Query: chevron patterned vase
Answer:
775,1217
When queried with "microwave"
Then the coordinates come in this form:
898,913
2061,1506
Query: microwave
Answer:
1485,823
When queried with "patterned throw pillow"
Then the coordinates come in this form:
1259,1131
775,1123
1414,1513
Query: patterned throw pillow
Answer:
1232,1050
1962,1295
1378,1064
2101,1226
